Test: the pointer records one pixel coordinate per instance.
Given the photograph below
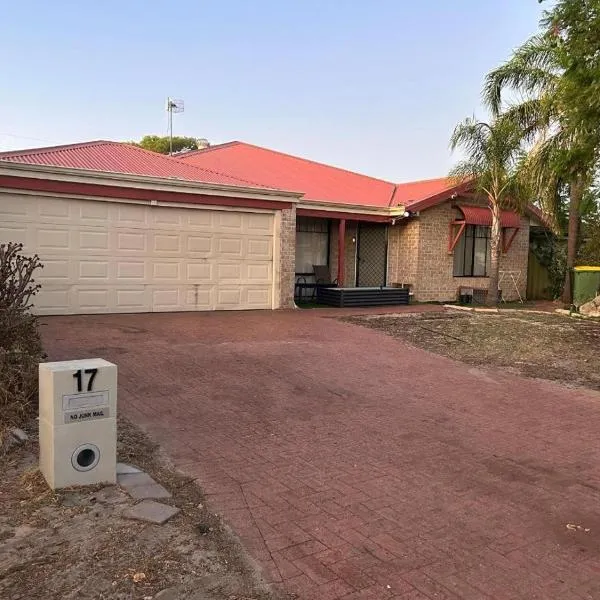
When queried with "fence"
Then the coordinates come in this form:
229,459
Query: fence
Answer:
538,280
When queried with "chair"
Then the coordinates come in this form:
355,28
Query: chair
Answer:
323,276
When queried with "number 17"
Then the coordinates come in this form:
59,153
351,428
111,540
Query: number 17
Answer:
79,376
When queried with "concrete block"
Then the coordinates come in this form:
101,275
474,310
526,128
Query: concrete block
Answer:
124,469
151,512
141,486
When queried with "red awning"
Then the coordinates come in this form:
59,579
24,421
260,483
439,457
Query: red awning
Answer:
480,215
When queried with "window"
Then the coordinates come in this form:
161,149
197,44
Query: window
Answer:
472,252
312,243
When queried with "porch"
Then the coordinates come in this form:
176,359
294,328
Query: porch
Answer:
352,256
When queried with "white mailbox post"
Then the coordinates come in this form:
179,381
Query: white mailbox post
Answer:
78,422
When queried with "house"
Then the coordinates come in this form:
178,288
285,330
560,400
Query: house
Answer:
234,226
431,235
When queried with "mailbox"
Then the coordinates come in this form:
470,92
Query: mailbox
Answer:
78,422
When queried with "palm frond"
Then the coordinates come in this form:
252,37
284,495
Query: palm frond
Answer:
532,69
533,116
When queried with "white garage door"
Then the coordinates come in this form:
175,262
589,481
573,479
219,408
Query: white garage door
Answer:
116,257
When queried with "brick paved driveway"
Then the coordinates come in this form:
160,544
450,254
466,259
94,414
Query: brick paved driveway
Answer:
355,467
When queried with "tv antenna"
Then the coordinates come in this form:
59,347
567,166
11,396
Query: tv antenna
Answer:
174,106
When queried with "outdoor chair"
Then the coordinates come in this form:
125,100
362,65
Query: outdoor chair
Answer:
323,276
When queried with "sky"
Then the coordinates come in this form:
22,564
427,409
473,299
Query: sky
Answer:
374,86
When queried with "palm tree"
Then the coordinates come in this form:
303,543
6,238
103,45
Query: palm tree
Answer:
561,153
492,157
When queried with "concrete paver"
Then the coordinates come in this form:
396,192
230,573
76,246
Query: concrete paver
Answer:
151,511
354,466
141,486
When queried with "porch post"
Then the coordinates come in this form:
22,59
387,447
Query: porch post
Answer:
341,252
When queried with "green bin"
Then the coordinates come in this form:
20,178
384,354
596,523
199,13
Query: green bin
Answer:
586,284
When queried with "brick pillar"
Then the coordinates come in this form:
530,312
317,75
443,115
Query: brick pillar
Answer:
287,257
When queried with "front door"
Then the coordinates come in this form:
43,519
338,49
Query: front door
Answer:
371,255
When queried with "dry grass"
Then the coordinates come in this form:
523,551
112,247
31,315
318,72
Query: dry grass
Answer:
548,346
74,543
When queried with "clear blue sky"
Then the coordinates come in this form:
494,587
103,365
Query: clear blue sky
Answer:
374,86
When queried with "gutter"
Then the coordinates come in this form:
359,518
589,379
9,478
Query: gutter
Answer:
383,212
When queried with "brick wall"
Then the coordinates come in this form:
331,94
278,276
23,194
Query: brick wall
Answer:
403,252
287,257
435,280
350,247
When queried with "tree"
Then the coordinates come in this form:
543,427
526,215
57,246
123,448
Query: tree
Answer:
575,25
492,156
555,117
161,144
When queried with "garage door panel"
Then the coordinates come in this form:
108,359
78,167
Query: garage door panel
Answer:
132,241
16,209
258,273
166,270
116,257
132,215
259,224
229,272
199,297
94,271
199,272
258,297
228,297
200,219
166,243
200,244
53,239
230,221
55,300
56,270
130,271
166,218
93,240
133,298
94,213
17,233
230,246
166,298
56,209
260,248
94,299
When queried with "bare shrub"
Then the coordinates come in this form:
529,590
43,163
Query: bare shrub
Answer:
20,343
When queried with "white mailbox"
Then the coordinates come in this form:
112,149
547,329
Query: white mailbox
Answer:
78,422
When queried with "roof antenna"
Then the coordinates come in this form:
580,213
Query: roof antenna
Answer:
173,107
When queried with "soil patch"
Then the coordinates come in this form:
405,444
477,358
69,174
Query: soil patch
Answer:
548,346
75,544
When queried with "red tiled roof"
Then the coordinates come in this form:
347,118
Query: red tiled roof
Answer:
117,157
319,182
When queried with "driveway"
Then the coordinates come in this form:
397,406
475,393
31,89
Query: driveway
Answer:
354,466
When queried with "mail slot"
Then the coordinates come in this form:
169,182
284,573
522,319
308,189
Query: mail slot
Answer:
78,424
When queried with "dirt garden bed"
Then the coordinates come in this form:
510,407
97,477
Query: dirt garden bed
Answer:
548,346
75,543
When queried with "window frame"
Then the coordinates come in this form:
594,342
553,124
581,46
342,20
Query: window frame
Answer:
462,244
314,226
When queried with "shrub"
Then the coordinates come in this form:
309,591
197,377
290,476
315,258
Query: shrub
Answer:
20,342
589,253
551,252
